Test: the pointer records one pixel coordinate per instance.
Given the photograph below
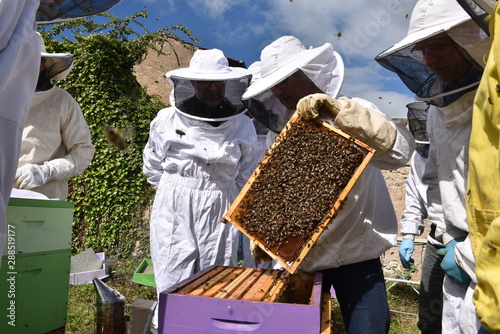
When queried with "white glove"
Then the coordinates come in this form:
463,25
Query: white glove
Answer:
32,176
318,105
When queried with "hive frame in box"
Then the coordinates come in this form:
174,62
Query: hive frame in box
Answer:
292,266
236,299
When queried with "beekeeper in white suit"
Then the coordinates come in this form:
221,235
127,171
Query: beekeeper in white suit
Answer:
56,142
19,63
347,253
200,153
441,61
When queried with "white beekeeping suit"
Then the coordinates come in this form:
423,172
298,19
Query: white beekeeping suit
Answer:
199,155
56,142
19,51
19,64
449,127
368,216
348,251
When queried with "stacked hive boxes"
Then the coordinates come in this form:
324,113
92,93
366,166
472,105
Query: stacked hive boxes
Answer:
35,266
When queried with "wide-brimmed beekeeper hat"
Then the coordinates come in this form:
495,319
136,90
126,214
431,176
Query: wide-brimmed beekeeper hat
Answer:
279,60
287,54
57,65
428,19
209,65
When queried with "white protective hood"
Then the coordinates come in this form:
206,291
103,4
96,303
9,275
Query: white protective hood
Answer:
430,18
208,65
279,60
57,65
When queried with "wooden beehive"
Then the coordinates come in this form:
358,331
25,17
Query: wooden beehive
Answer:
298,188
234,299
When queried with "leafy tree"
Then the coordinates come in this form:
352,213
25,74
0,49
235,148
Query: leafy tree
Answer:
112,197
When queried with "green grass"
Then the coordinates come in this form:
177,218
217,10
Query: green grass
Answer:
82,298
403,302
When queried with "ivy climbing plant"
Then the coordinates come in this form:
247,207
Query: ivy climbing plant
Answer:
112,197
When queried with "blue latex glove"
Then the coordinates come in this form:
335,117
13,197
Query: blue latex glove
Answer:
483,331
405,252
450,266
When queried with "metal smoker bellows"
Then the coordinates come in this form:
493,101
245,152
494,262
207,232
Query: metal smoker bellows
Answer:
110,309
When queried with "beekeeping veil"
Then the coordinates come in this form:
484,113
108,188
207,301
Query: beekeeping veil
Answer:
417,123
279,60
209,66
430,18
57,65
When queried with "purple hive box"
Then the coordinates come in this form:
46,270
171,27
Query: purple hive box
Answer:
298,309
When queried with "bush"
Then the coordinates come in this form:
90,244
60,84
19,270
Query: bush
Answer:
112,197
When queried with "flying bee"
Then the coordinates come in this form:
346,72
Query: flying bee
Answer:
117,138
180,132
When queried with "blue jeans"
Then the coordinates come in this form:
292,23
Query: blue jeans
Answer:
360,289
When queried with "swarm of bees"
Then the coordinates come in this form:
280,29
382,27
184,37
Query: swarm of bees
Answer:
297,187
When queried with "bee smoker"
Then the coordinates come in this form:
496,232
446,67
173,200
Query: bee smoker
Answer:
110,309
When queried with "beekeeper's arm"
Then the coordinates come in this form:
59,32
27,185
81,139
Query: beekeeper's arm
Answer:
75,137
393,143
415,210
152,156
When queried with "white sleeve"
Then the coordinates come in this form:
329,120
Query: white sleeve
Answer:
415,203
76,139
152,155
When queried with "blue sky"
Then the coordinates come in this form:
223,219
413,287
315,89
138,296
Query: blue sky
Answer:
358,30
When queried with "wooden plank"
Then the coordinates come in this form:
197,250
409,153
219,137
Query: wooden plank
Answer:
243,280
262,286
326,314
199,281
222,284
200,290
278,288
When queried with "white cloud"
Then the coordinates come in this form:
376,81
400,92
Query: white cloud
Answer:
214,8
366,27
372,83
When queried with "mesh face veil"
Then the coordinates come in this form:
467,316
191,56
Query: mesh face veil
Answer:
230,91
430,19
417,123
209,89
280,60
